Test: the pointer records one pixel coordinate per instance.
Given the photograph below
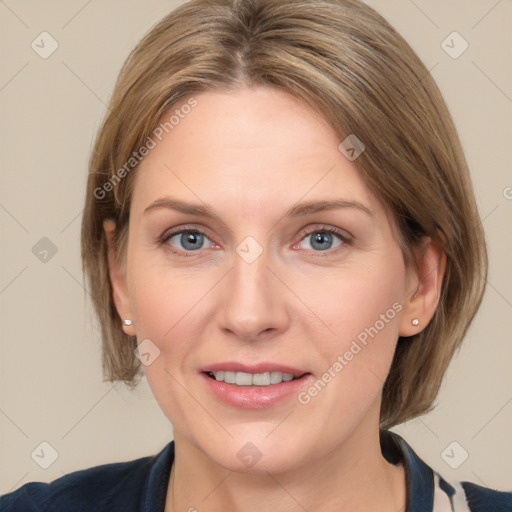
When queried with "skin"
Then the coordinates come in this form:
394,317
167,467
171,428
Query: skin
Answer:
251,155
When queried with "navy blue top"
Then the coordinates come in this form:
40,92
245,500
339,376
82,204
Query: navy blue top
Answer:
141,486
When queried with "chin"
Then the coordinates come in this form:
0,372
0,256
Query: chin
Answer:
255,452
251,460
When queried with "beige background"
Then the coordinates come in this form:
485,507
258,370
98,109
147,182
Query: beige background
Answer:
50,381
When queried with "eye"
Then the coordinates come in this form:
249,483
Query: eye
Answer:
322,240
192,241
188,240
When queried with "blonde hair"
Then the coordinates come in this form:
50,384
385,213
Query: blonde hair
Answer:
346,61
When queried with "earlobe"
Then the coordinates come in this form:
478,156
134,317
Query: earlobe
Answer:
425,281
118,280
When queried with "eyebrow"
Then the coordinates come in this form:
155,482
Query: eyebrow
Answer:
298,210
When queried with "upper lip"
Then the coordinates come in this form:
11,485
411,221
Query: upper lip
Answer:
233,366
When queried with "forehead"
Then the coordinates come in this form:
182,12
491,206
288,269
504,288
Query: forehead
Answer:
248,147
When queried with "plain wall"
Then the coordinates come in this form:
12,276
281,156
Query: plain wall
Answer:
51,385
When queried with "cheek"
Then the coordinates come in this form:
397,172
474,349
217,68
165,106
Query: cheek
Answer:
172,308
351,300
165,300
362,309
169,309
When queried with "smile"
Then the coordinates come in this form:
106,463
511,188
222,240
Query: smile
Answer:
251,379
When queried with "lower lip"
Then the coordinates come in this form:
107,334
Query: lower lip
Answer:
255,397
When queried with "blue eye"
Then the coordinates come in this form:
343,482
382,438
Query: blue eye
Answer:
322,240
187,240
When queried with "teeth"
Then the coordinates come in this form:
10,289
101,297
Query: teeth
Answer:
243,379
229,377
261,379
252,379
276,377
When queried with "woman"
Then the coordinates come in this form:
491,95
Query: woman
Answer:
280,231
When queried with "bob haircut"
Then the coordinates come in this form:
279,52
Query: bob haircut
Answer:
343,59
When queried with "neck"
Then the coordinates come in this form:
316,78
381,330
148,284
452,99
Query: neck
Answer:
353,476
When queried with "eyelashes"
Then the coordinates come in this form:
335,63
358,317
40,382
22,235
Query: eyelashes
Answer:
323,240
333,235
189,237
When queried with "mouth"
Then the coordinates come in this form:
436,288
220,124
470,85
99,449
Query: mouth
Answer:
253,379
254,386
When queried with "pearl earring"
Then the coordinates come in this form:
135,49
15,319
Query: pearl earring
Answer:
415,322
127,322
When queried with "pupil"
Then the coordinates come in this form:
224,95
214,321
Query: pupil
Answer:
322,241
191,241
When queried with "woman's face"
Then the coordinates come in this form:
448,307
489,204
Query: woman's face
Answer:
256,248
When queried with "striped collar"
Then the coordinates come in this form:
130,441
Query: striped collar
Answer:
426,491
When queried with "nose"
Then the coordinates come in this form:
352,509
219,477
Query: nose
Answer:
255,304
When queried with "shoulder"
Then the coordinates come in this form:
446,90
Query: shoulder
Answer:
470,497
110,487
483,499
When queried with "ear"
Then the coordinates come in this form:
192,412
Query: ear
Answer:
118,279
424,280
